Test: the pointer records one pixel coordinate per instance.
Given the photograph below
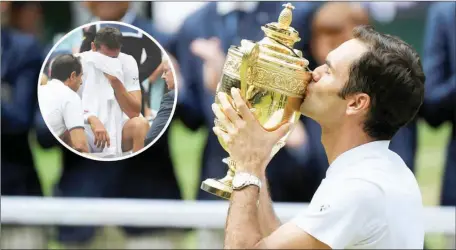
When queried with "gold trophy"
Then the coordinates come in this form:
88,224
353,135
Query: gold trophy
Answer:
272,77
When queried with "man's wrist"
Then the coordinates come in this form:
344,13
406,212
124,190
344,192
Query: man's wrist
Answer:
88,118
254,168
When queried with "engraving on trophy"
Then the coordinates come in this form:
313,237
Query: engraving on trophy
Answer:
278,81
231,67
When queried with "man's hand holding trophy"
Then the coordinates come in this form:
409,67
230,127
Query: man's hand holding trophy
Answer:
258,98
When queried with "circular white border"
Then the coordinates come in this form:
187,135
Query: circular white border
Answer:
170,118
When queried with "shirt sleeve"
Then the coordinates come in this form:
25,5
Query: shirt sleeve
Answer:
73,113
131,73
336,216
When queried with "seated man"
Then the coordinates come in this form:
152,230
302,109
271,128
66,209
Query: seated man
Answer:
126,94
60,104
167,103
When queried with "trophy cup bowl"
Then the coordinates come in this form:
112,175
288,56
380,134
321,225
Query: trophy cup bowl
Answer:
272,78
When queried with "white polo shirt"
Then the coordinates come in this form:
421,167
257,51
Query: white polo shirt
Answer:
369,199
60,107
131,72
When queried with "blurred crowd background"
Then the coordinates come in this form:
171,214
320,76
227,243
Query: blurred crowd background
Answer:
197,35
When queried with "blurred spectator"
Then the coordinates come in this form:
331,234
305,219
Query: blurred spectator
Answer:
27,17
149,175
201,44
440,96
21,62
333,24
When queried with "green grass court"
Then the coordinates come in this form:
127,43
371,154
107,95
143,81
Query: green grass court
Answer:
186,153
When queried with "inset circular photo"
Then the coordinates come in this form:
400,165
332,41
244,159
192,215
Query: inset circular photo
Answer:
107,91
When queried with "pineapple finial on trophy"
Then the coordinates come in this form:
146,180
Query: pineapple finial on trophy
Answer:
286,16
281,31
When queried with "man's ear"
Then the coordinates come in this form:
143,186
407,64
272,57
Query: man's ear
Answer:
92,45
73,75
358,104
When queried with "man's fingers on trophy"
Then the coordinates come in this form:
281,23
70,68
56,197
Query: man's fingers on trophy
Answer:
218,112
241,105
222,120
222,134
227,108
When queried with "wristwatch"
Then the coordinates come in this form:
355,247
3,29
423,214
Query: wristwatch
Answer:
242,180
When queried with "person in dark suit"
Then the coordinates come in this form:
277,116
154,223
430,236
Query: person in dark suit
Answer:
148,175
21,62
201,43
166,106
440,97
439,104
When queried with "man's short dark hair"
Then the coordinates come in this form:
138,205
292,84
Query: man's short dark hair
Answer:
64,65
392,75
109,37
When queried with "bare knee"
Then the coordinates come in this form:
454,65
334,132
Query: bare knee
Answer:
133,133
139,125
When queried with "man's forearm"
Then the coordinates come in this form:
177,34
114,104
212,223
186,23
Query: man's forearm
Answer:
266,216
91,119
242,225
130,105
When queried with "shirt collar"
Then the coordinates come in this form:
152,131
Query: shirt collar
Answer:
55,81
355,154
224,8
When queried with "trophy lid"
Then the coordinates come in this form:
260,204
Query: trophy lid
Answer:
281,31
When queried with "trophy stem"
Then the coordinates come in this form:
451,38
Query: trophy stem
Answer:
231,165
222,187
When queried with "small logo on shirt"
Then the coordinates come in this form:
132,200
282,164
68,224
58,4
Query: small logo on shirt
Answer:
324,208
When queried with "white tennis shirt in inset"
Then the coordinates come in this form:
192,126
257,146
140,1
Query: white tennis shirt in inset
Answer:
369,199
60,107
